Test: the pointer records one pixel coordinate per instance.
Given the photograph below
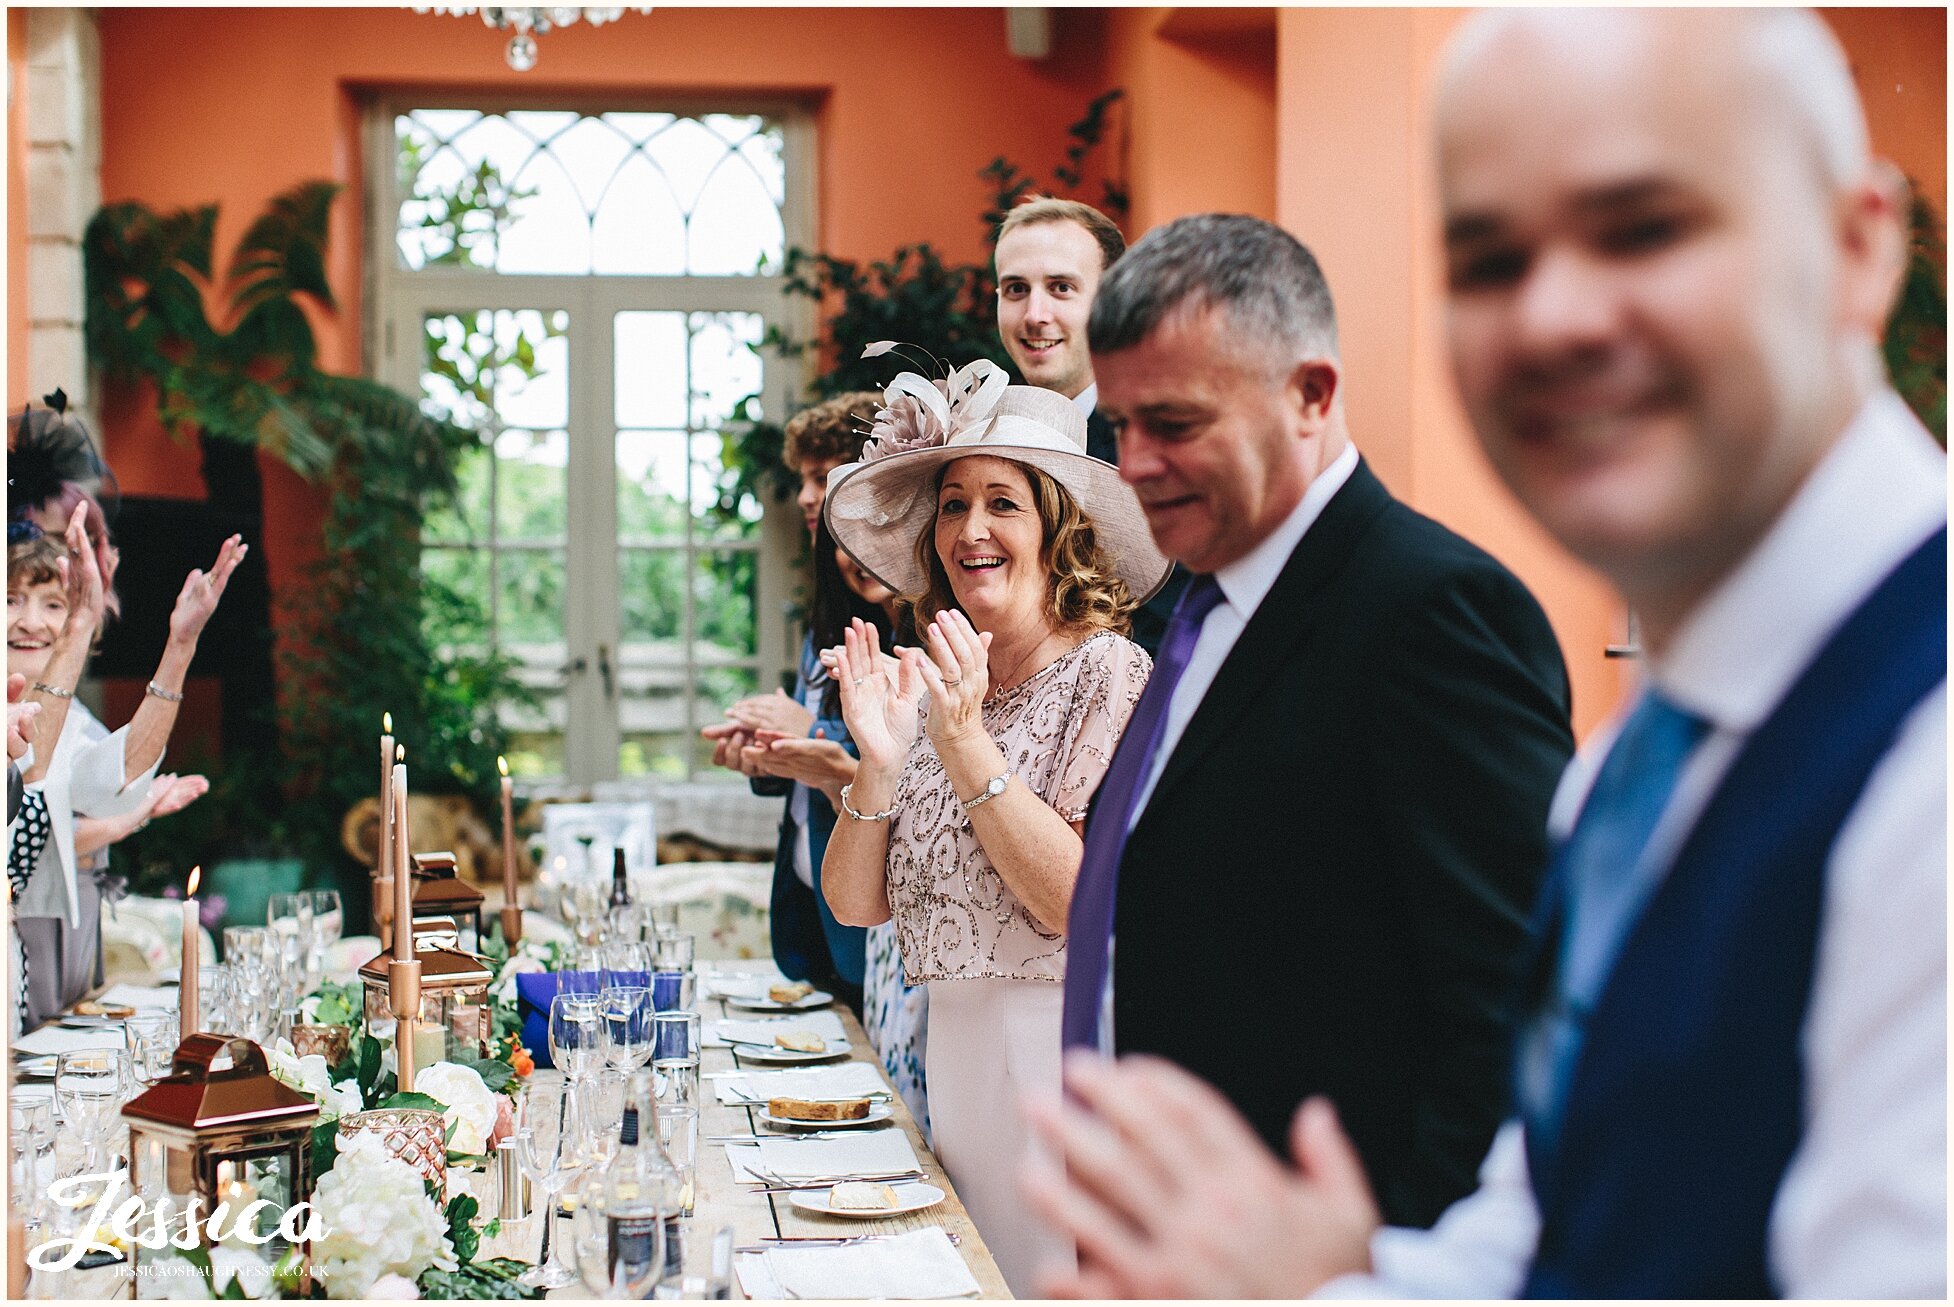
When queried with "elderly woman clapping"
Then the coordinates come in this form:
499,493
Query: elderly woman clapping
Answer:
981,750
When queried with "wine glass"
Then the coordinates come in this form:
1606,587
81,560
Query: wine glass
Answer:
550,1156
152,1040
30,1132
625,962
576,1034
626,1010
88,1086
291,920
328,922
600,1110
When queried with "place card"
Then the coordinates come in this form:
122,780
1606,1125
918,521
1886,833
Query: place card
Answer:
919,1265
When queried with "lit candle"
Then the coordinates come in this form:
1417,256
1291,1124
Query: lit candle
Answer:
403,872
383,854
186,985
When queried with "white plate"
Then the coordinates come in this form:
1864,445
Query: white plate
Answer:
819,998
41,1068
775,1053
877,1112
915,1198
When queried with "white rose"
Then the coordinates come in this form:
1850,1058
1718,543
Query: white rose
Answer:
504,987
468,1104
378,1220
247,1267
311,1077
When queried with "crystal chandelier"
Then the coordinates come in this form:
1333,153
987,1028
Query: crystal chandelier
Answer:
528,24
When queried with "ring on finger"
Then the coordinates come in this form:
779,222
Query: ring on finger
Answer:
958,681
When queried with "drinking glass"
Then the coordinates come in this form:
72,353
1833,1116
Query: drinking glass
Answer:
672,950
576,1034
628,924
88,1086
246,941
551,1159
213,1002
625,962
678,1131
291,920
30,1134
152,1038
328,921
675,1058
626,1010
706,1271
600,1110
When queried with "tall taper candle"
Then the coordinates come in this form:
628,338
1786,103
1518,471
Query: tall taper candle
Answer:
186,985
511,899
403,871
383,855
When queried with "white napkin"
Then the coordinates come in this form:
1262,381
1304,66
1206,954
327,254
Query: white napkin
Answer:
747,985
816,1084
918,1265
55,1039
141,997
873,1152
825,1024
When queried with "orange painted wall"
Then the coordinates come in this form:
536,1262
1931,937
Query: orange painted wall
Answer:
16,208
1200,110
235,105
1354,181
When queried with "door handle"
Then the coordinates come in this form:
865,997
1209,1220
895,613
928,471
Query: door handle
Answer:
604,670
575,667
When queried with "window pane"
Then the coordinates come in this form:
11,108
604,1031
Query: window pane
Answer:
500,368
651,599
563,193
725,367
463,520
651,488
723,590
463,573
529,617
532,484
709,479
651,360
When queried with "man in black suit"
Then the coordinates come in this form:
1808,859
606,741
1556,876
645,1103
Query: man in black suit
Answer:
1311,866
1051,254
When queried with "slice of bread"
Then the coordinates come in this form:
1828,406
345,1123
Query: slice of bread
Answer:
792,992
860,1196
801,1109
801,1041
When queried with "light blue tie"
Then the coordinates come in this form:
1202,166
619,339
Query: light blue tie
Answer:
1605,880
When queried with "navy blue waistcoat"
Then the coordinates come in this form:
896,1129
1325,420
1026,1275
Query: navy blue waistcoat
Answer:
1687,1099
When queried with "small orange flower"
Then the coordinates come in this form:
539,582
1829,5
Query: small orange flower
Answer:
523,1062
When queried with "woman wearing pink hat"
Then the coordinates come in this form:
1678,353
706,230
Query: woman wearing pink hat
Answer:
981,750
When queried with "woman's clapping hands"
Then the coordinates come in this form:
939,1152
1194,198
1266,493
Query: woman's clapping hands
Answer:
881,705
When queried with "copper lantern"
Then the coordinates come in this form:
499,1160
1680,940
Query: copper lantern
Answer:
220,1130
439,892
455,1019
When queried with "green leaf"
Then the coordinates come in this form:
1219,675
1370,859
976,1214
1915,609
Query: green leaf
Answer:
414,1100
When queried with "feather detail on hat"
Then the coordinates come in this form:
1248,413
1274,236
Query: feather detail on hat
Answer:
919,413
50,449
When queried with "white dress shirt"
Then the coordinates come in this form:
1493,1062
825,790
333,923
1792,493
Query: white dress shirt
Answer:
1087,399
1862,1209
1244,583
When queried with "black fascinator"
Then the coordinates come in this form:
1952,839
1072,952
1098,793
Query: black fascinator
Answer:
47,449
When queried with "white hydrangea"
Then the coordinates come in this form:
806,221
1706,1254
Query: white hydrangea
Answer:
467,1104
378,1221
310,1076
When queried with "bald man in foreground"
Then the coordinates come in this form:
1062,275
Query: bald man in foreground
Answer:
1670,260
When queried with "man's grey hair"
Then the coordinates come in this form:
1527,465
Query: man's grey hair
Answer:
1266,281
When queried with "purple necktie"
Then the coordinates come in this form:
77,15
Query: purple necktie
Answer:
1090,929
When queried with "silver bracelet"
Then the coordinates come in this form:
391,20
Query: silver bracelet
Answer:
54,690
161,693
849,808
992,788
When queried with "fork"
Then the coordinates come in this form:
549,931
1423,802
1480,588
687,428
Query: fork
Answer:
770,1244
777,1185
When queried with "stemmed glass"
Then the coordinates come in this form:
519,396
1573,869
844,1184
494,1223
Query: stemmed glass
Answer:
152,1040
88,1085
576,1034
213,1002
30,1132
625,962
626,1010
328,924
546,1135
291,920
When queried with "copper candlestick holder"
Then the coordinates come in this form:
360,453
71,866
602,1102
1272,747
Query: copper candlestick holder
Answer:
404,1001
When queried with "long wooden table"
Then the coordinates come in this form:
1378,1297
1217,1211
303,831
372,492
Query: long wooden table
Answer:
719,1202
753,1216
